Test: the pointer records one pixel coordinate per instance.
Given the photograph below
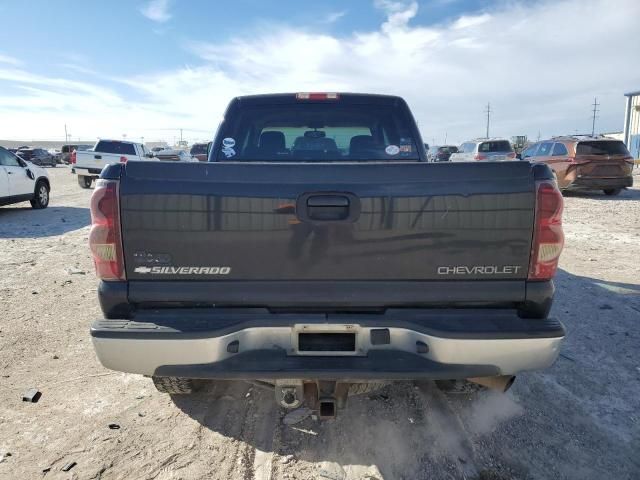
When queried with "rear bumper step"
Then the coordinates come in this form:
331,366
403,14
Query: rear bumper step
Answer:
276,365
401,344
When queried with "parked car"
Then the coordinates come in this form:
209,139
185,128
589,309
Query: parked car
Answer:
67,149
57,154
199,150
484,149
174,156
37,156
441,153
585,163
89,163
22,181
312,253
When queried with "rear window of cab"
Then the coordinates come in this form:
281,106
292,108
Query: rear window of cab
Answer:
319,131
119,148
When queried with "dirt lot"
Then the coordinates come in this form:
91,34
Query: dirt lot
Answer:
578,420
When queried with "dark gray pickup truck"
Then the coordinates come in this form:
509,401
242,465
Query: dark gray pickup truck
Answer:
318,253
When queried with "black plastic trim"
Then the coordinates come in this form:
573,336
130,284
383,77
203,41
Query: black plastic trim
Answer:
538,300
330,294
112,171
16,199
378,364
542,171
600,183
113,299
210,323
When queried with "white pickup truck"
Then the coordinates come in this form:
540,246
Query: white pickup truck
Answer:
88,164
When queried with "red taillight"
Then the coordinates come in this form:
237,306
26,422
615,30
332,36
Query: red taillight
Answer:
317,96
511,155
72,157
123,159
548,238
477,156
105,237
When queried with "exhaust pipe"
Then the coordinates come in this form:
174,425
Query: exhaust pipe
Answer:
500,383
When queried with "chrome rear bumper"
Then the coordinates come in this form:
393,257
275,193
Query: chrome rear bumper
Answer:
398,345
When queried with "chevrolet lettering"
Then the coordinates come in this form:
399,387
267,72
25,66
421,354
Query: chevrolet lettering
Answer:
479,270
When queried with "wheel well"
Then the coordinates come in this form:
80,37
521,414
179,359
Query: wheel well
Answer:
45,180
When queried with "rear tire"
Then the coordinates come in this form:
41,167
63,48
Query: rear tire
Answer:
84,181
177,385
40,195
611,192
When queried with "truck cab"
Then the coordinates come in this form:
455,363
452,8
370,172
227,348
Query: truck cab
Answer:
89,163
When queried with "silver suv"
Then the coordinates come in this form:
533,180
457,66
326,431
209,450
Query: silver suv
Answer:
484,149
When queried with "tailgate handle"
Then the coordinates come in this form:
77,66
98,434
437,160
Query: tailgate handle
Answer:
97,156
330,207
328,201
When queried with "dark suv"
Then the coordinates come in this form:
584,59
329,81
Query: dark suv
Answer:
585,163
441,153
37,156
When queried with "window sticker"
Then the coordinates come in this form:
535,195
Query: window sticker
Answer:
227,147
392,150
405,146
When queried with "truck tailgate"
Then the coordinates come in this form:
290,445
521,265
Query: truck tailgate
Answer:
95,160
282,223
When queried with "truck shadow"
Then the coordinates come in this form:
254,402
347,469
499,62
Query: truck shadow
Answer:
408,430
25,222
404,430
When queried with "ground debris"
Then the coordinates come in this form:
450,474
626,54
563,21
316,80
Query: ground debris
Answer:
75,271
68,466
32,395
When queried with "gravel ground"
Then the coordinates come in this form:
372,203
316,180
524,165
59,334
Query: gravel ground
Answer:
577,420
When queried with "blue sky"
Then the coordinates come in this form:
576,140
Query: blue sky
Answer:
148,68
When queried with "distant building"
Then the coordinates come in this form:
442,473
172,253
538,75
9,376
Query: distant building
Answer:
631,132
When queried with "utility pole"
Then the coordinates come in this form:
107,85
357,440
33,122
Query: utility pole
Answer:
180,136
66,137
488,117
595,111
445,138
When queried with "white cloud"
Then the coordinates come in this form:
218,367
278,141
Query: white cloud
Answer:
537,75
334,16
470,21
157,10
9,60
